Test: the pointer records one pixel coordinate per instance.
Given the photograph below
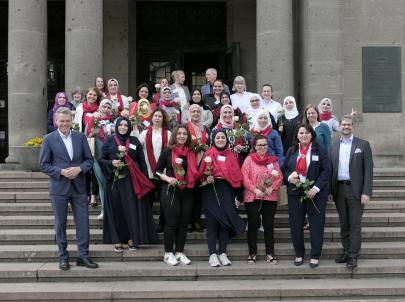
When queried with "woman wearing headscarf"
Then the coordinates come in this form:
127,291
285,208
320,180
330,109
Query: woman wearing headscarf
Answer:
155,139
61,100
253,109
237,138
119,101
127,214
221,174
288,123
177,168
207,117
100,128
262,126
158,96
84,119
262,179
225,99
307,164
140,114
325,108
199,143
171,107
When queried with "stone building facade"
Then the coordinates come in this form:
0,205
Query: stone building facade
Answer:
307,48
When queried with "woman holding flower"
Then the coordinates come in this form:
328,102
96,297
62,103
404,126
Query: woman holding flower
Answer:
307,170
120,102
235,132
157,97
222,182
262,125
171,107
180,165
61,100
100,129
140,114
262,179
127,214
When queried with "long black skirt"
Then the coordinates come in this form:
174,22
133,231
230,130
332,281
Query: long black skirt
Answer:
126,217
224,211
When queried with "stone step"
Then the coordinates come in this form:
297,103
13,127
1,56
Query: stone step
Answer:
27,186
6,176
281,220
332,234
197,271
210,290
196,252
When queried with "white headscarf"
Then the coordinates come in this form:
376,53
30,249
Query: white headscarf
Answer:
251,112
262,112
290,114
320,105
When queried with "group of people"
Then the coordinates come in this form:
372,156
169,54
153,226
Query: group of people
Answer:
205,152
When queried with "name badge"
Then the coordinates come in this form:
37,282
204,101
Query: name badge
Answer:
146,123
315,157
221,158
270,167
216,102
131,146
89,114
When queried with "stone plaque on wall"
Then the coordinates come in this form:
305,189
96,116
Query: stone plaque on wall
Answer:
382,79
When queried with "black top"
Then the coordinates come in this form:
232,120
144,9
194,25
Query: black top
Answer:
288,134
165,162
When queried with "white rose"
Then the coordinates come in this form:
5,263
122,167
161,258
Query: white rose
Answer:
294,174
121,148
130,99
208,159
234,107
274,173
157,86
193,137
236,118
178,161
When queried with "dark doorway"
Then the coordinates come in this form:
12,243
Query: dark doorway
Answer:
180,35
3,80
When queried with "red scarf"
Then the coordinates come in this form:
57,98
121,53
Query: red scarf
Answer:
192,171
266,131
119,98
87,108
192,132
168,103
229,169
149,147
301,166
140,183
325,116
263,161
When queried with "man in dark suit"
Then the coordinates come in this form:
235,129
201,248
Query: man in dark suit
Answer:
65,157
352,181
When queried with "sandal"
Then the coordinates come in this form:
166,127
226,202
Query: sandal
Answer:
251,259
131,245
118,248
271,259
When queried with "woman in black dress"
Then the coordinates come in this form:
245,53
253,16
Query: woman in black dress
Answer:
288,122
127,213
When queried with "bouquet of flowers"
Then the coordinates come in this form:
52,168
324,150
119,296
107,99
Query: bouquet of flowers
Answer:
281,118
197,146
120,156
305,187
268,181
240,130
208,172
157,87
179,173
76,127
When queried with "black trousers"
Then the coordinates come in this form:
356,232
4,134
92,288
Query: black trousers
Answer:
350,212
296,212
152,198
197,205
267,209
91,183
177,207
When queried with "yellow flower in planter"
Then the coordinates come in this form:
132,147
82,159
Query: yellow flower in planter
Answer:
34,142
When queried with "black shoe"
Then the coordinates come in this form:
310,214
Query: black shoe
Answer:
298,263
64,265
87,262
313,265
351,263
342,258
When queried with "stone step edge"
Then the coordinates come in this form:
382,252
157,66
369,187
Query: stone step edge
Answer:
191,290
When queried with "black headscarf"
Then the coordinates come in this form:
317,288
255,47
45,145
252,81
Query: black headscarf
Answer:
121,137
214,134
201,103
225,93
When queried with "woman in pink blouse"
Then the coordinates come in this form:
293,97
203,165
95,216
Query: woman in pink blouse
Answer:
262,179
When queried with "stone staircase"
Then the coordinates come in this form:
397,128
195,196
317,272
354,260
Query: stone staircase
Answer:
29,264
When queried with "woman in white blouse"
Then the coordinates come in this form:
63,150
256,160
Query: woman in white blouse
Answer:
155,140
241,97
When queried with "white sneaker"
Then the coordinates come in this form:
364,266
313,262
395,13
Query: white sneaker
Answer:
214,261
261,228
224,259
181,258
101,216
170,259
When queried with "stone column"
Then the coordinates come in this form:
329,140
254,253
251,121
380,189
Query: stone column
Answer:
84,43
275,58
27,71
322,51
